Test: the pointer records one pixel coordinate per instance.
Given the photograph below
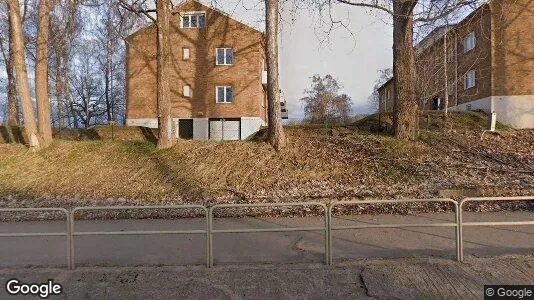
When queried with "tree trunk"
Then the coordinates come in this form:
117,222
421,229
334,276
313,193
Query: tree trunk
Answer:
59,93
11,85
445,68
19,63
275,132
165,139
406,115
41,73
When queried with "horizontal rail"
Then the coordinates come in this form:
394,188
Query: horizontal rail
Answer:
515,198
208,214
212,231
394,201
39,234
512,223
274,204
141,232
287,229
38,209
131,207
397,201
136,232
486,223
28,234
399,225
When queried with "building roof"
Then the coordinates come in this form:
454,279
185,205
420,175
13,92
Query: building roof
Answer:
176,9
385,84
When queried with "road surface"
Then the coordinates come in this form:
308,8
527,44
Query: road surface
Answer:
415,278
275,248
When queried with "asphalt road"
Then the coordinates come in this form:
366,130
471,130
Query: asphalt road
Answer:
273,248
415,278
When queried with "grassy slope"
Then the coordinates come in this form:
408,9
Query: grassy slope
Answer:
350,163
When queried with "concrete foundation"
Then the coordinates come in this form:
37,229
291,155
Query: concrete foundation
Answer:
514,111
215,129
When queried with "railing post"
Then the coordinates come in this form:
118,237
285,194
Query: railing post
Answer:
69,241
457,231
326,235
72,251
329,233
210,237
460,231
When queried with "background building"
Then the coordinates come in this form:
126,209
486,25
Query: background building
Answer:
485,62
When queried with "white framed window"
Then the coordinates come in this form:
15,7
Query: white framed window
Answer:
224,56
470,42
224,94
187,91
470,79
193,19
185,53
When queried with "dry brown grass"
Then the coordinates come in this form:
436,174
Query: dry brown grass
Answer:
314,164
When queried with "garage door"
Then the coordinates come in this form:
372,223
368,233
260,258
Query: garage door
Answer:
231,130
227,130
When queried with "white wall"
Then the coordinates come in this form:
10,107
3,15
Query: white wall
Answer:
514,111
200,129
249,127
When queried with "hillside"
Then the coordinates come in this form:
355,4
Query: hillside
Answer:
347,163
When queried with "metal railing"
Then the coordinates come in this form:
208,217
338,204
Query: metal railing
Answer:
209,231
279,229
66,234
73,233
490,199
393,225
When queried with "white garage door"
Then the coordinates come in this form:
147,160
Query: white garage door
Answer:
230,130
224,130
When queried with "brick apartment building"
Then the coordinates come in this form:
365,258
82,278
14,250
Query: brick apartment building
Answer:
217,79
488,60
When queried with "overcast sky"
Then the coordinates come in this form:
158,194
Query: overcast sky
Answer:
353,60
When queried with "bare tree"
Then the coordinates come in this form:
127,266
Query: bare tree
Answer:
13,108
41,73
165,134
19,63
275,131
404,16
324,103
65,28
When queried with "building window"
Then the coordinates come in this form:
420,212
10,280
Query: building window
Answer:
225,56
224,94
470,79
193,20
470,42
185,53
187,91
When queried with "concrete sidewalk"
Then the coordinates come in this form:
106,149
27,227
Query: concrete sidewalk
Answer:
428,278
